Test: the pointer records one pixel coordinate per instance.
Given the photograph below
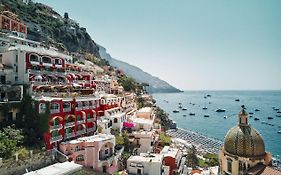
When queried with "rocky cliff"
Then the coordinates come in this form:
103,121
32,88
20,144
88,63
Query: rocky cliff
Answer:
156,85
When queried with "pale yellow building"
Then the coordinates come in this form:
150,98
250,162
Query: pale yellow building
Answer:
243,150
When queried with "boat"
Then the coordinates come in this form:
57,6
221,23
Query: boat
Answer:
279,112
276,109
257,110
205,96
180,106
237,99
269,118
184,109
184,115
220,110
204,108
250,116
208,95
279,126
176,111
191,113
251,113
206,115
278,115
279,132
256,119
225,117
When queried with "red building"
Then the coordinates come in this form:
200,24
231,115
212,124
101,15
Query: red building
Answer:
172,158
9,22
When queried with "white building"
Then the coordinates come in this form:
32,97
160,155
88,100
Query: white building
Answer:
145,164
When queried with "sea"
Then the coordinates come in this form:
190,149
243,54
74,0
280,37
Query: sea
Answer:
217,124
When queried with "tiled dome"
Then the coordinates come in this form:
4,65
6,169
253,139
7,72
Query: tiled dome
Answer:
243,140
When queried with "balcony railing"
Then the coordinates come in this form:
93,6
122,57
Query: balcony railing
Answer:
56,127
69,135
80,132
54,111
56,138
80,122
91,120
66,109
91,129
69,124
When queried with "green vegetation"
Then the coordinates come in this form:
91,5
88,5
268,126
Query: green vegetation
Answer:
191,159
10,141
211,159
164,117
129,84
165,140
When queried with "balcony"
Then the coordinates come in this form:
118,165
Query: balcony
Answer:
80,122
56,139
69,135
91,129
66,109
69,124
80,132
91,120
56,127
54,111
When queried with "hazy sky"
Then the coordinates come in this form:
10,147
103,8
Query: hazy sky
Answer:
198,44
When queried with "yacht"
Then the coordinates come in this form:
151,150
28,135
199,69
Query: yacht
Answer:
176,111
225,117
256,119
220,110
191,113
184,109
184,115
237,99
251,113
204,108
257,110
279,132
206,115
269,118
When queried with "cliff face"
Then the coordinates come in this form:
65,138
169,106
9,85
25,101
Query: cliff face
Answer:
156,85
46,25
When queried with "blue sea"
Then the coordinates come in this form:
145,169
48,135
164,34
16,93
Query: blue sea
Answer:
216,125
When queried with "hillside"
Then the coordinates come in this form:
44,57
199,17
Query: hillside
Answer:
46,25
156,85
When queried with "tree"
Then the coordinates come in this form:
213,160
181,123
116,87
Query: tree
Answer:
192,159
66,15
10,139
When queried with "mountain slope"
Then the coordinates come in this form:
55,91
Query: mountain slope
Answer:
155,84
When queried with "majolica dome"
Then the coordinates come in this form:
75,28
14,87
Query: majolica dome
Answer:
243,140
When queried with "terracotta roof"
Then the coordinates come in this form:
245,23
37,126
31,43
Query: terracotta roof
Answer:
263,170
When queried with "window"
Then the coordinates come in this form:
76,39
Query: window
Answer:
46,60
55,133
78,105
115,120
54,108
17,58
66,106
86,104
34,58
229,165
42,108
88,116
80,158
139,171
58,61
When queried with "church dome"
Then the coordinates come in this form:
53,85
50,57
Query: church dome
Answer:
243,140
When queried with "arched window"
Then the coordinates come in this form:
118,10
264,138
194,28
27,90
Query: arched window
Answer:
58,61
80,158
42,108
55,108
66,106
46,59
229,166
115,120
33,58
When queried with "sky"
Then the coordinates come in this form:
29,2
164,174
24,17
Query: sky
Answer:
192,44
